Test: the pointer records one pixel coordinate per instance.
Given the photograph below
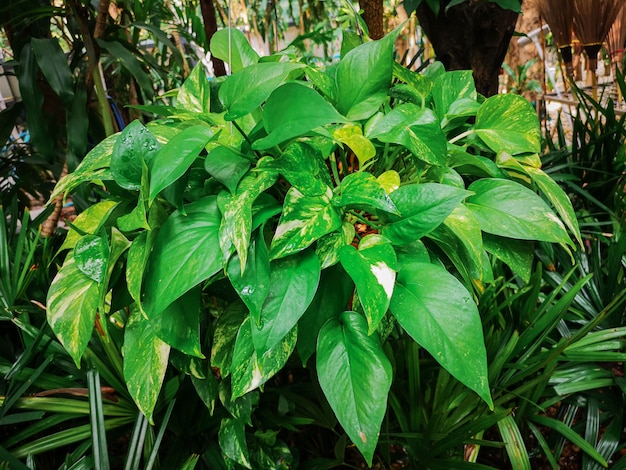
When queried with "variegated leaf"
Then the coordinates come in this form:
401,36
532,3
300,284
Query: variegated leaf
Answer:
363,191
304,220
373,269
251,369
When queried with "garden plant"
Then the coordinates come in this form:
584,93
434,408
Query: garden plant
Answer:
291,216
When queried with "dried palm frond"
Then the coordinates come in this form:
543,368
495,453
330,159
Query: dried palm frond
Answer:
617,37
559,14
592,22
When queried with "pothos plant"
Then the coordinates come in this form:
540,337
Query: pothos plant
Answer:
292,209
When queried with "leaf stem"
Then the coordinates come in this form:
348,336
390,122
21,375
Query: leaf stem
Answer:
365,221
462,135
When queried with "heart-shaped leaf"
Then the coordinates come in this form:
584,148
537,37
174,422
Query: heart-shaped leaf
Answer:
355,376
363,191
135,146
232,46
226,166
436,310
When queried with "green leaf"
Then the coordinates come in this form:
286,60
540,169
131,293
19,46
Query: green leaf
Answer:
327,248
236,225
293,110
461,240
135,146
364,78
558,198
363,191
251,368
232,440
186,252
91,255
416,128
302,166
419,85
224,336
253,285
89,169
373,270
136,261
175,158
332,297
130,63
227,166
450,88
436,310
423,208
145,362
355,376
89,221
231,45
247,89
53,64
293,283
509,123
517,254
506,208
304,220
162,37
195,93
73,300
179,324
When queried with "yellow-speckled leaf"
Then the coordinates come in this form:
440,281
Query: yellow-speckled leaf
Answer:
353,137
145,362
250,369
89,221
73,301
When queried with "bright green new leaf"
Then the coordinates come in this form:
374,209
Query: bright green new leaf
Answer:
179,324
135,146
231,45
363,191
558,198
373,269
175,158
331,299
436,310
450,88
224,336
418,129
389,180
53,64
89,221
91,255
509,123
355,376
304,220
294,110
253,285
145,362
506,208
186,252
73,300
353,137
227,166
247,89
195,93
251,368
232,440
423,208
293,283
364,77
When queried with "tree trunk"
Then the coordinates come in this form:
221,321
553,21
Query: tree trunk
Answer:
210,28
470,36
373,17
